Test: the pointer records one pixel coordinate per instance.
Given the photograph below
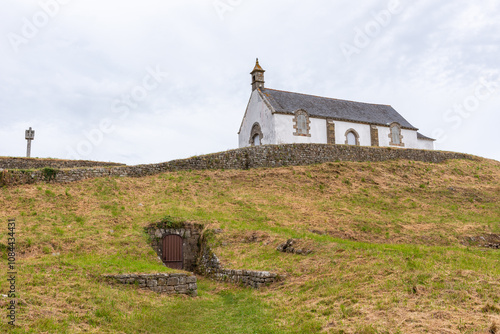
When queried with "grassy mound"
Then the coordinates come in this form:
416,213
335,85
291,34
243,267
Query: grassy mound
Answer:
386,239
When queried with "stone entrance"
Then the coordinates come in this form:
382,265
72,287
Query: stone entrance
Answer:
176,243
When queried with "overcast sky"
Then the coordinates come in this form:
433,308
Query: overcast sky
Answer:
154,80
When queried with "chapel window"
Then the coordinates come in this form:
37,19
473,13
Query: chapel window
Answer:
352,137
256,140
301,124
395,135
256,135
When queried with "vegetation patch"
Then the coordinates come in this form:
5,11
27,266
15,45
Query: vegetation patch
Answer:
49,173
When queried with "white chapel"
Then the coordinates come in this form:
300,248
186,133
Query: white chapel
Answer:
279,117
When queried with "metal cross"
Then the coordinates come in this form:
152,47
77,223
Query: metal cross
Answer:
30,135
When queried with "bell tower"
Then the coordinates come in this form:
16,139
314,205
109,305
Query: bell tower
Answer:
257,76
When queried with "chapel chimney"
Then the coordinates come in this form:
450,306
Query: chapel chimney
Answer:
257,76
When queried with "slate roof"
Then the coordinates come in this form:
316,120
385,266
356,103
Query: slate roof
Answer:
288,103
422,137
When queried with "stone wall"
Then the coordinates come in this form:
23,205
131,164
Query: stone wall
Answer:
190,233
36,163
160,283
210,266
243,158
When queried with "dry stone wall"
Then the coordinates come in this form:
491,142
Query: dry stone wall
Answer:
160,283
210,266
244,158
36,163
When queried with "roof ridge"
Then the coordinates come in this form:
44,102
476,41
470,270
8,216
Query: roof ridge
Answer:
330,98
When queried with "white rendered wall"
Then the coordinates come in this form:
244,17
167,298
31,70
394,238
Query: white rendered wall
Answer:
363,131
383,136
284,130
425,144
409,138
257,111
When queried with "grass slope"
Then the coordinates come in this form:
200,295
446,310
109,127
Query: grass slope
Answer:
386,240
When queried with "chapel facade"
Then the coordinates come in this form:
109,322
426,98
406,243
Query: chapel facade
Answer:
280,117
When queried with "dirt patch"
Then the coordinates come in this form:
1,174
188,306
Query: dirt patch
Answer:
486,240
255,237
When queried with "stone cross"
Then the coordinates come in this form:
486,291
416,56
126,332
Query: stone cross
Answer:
30,135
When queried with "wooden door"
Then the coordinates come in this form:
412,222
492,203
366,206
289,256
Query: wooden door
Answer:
172,251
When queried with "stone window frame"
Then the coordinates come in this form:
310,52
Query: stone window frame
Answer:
374,136
355,133
256,130
296,125
391,126
330,132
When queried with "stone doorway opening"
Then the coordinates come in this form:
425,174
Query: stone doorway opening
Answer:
177,243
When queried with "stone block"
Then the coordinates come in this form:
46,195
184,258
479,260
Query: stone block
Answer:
162,281
173,281
191,279
264,274
177,275
155,289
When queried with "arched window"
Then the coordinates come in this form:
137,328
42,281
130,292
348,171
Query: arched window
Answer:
395,135
256,140
352,137
256,135
301,125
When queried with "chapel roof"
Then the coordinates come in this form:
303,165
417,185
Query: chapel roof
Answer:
422,137
288,103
